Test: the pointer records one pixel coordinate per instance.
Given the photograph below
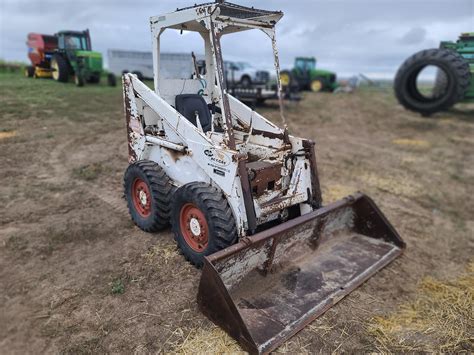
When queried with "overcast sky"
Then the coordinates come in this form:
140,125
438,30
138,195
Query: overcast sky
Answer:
347,36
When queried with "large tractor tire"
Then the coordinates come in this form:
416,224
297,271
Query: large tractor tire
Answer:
452,82
60,69
148,191
202,221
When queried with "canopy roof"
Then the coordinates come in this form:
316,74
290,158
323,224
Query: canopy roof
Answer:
236,17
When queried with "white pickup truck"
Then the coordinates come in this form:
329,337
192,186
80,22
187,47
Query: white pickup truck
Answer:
245,74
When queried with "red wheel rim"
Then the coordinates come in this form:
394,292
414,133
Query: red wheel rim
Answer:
194,227
141,197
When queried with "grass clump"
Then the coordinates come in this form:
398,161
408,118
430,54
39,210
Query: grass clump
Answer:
118,288
441,319
208,341
88,172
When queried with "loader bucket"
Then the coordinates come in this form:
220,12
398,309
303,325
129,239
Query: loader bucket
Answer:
267,287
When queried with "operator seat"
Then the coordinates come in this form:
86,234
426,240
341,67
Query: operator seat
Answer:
189,104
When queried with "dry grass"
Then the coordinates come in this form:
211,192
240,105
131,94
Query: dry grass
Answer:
412,143
212,340
7,134
441,319
164,253
397,185
336,192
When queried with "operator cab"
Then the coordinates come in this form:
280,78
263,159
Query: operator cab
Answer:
73,40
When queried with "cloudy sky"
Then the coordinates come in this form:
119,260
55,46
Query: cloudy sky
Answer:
348,36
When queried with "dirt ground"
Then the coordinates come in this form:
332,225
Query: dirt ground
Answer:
76,276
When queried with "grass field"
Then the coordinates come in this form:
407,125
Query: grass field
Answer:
77,277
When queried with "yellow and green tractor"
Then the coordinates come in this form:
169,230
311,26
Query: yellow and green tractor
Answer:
67,54
305,76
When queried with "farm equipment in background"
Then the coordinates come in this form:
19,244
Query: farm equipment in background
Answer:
64,55
305,76
453,81
242,195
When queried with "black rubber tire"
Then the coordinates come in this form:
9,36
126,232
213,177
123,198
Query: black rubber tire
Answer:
139,75
218,214
451,63
246,81
29,71
161,189
94,79
63,68
79,80
111,80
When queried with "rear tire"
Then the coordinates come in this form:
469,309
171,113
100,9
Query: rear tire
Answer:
455,82
60,69
202,221
148,191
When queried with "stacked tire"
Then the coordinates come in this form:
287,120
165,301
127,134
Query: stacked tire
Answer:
451,83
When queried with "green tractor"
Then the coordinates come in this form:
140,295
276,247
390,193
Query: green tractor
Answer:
64,55
453,81
305,76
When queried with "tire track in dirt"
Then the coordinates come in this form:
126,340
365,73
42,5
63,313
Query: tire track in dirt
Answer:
62,173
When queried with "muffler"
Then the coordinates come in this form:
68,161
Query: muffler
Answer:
269,286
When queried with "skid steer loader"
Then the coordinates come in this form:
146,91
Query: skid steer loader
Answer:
241,194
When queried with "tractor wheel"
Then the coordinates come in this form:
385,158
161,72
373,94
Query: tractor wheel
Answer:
317,85
79,80
29,71
202,221
60,69
286,79
94,79
455,83
111,80
148,191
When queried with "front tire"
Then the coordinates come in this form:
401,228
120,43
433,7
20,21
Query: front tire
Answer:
317,85
148,191
202,221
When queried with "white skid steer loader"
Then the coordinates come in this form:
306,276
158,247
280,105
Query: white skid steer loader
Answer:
242,195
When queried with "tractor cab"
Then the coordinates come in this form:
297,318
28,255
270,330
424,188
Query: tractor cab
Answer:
304,66
74,40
